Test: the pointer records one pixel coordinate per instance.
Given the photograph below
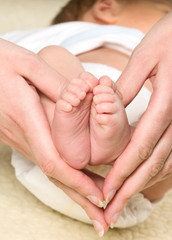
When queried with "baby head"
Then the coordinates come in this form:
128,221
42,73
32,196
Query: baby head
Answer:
115,12
75,10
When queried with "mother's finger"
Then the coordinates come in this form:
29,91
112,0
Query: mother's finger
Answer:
154,50
137,181
31,67
149,130
139,58
94,213
157,117
56,168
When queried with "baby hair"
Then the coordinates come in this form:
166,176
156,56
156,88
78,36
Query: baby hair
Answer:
74,9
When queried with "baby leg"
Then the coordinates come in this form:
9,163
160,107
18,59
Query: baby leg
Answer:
109,128
69,127
64,62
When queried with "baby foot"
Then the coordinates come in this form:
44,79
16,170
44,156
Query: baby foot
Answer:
109,128
70,128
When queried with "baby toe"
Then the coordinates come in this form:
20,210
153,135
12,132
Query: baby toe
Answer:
89,79
105,81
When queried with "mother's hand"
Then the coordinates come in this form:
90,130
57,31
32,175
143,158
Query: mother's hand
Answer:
78,185
147,158
24,125
94,213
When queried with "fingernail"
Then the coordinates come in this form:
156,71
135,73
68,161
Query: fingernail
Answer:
98,227
114,220
95,201
110,195
105,204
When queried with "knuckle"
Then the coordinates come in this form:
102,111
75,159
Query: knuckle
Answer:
144,152
48,168
5,132
156,167
85,206
166,111
77,185
167,168
126,196
123,174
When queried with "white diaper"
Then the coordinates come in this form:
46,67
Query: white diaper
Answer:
30,175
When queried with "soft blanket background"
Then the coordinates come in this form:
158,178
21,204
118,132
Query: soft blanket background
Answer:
22,216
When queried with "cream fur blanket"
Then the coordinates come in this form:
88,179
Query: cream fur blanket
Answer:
22,216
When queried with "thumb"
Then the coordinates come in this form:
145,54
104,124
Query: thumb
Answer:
42,76
136,72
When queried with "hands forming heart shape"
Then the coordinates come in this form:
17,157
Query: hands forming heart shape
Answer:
24,126
89,127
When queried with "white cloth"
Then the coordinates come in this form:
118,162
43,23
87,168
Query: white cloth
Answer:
79,37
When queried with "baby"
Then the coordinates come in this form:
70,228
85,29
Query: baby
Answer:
90,124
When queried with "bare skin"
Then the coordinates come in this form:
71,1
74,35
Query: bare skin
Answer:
85,129
70,127
43,153
89,130
109,128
